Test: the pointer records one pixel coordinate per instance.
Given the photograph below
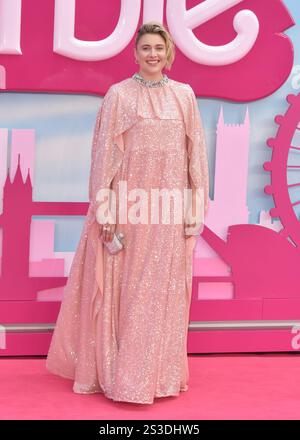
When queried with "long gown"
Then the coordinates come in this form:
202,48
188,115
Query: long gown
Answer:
123,322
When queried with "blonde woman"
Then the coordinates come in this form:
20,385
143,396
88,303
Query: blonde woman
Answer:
123,323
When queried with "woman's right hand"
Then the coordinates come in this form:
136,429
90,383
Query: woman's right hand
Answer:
107,231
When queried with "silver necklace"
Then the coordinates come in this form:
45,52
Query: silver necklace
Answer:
149,82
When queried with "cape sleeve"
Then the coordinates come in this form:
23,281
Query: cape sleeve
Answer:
196,148
106,155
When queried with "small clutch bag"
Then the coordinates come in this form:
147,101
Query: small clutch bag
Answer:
115,245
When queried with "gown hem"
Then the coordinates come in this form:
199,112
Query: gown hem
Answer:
100,391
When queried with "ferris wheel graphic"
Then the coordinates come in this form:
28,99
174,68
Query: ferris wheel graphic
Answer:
284,175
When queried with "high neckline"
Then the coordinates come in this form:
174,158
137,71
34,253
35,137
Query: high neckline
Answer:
149,82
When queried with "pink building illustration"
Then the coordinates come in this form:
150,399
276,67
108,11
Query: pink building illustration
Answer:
246,276
32,275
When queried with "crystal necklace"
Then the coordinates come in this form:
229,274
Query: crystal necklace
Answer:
149,82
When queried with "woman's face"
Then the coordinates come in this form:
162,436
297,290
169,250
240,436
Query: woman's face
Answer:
151,47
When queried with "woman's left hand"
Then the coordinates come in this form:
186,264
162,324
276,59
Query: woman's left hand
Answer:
192,229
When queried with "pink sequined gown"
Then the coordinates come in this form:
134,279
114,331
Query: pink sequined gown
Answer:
123,323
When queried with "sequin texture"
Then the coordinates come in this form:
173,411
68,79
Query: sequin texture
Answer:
123,323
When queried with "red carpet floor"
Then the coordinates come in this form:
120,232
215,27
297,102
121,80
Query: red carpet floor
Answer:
223,386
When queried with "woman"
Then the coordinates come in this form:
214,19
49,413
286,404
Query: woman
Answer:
123,323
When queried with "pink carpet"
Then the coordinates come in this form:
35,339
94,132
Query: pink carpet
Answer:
229,386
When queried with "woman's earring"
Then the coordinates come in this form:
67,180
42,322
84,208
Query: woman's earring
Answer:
136,61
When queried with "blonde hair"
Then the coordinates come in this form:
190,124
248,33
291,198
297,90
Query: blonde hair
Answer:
154,27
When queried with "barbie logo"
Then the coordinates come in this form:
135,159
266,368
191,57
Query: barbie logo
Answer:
180,22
